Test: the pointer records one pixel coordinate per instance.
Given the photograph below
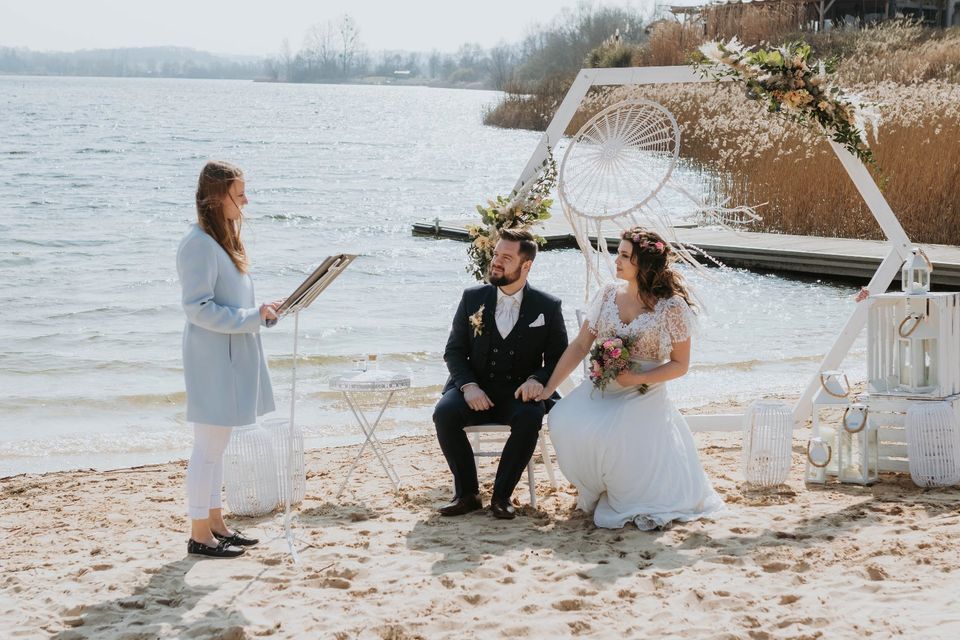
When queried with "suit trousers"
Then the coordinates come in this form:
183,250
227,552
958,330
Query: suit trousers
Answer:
452,414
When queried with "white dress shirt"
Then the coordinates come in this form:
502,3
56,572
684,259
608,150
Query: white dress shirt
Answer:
508,311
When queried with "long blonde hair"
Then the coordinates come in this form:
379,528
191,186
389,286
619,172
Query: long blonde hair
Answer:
213,188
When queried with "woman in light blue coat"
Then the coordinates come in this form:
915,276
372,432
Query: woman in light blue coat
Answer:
226,375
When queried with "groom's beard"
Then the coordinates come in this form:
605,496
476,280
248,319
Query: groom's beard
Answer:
505,279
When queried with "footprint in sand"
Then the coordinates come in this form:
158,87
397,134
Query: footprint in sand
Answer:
775,567
572,604
875,572
101,567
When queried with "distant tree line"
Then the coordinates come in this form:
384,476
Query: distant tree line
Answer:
167,62
333,51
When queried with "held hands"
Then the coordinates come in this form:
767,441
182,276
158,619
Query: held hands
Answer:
545,394
529,391
476,398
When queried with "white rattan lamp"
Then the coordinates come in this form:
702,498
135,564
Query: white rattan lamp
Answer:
250,472
933,444
767,433
292,482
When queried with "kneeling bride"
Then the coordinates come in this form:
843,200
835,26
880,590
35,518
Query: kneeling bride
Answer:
626,448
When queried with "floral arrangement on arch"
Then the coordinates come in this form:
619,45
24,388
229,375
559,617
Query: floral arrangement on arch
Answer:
796,87
523,208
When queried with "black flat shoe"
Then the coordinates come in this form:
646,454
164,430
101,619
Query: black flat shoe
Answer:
462,505
222,550
236,538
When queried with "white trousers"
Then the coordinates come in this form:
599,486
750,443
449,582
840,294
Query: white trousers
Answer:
205,470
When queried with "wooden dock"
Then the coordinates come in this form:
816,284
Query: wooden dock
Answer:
828,258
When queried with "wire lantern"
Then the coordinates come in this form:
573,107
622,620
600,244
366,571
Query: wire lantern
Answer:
933,444
766,447
250,472
291,478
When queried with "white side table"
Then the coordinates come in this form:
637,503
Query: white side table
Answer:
385,383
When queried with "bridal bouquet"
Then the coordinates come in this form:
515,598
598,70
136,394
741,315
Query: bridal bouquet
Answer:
608,359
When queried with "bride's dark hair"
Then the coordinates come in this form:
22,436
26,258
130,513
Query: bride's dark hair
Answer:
654,258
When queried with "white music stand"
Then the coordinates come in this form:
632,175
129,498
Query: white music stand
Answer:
300,299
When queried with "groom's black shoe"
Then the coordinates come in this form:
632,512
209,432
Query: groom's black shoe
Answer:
501,508
463,504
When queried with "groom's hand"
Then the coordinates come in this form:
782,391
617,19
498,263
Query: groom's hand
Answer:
476,398
529,390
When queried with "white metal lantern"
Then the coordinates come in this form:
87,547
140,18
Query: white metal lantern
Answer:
933,444
821,448
858,447
291,466
250,472
917,351
913,344
767,433
915,275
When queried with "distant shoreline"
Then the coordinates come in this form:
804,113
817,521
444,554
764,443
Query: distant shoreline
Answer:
377,81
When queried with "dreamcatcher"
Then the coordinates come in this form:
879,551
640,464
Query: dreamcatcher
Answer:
616,170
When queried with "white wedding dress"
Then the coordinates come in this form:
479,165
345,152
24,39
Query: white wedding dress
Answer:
631,455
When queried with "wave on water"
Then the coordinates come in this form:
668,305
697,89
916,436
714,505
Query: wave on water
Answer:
753,363
346,361
87,150
59,243
107,403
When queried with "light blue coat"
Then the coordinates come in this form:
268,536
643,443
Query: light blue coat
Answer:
223,363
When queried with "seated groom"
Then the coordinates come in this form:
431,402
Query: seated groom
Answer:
505,342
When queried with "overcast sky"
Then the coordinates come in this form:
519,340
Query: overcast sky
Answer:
259,26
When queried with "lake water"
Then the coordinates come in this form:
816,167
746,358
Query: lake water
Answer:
96,189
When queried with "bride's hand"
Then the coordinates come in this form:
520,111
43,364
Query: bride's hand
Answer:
629,379
546,394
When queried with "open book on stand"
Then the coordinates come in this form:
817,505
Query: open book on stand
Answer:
314,284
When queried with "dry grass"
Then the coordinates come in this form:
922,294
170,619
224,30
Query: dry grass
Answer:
763,158
912,71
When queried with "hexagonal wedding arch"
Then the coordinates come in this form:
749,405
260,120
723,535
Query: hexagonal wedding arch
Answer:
896,237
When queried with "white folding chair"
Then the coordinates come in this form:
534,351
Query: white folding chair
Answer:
543,442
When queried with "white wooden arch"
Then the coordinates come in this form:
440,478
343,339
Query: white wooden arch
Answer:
896,237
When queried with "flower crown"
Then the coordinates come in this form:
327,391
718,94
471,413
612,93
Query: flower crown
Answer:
645,245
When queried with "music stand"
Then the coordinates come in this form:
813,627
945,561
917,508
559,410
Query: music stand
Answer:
300,299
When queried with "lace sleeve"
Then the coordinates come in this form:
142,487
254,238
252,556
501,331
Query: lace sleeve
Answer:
679,322
595,312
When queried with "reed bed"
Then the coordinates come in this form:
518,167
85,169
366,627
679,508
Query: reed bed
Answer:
793,177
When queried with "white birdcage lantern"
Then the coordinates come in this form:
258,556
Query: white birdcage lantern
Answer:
767,433
913,344
250,472
858,447
917,350
915,275
933,444
833,394
291,465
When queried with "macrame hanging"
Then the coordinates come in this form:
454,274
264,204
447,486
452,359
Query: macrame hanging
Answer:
614,172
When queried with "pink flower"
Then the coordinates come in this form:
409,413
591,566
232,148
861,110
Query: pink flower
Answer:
596,369
608,344
616,353
659,246
636,237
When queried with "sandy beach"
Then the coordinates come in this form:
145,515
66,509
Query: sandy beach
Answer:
101,555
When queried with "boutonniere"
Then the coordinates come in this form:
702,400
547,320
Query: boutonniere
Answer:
476,321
